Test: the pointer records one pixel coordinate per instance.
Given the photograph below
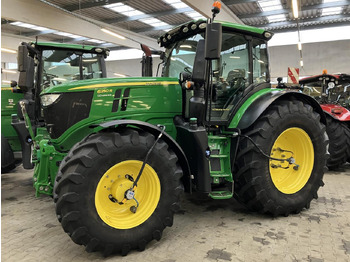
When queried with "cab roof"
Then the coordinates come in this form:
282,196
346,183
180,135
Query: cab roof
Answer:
198,26
68,46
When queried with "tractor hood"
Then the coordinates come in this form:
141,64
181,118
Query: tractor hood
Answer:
93,84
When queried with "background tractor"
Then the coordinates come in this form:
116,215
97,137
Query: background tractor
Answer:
333,93
117,153
60,63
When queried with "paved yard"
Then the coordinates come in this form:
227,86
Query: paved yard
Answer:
204,230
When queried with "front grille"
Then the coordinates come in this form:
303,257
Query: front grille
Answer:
67,111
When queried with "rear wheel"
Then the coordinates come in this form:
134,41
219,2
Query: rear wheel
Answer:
338,150
286,130
347,133
7,157
96,176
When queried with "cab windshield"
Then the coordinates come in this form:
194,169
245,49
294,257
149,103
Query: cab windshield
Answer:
64,66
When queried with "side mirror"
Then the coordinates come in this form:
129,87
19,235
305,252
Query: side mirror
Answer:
213,40
25,68
199,65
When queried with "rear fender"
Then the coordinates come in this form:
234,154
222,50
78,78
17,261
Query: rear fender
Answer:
152,129
260,104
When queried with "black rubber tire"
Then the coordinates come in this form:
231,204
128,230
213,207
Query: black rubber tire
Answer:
252,180
347,134
7,157
338,150
80,172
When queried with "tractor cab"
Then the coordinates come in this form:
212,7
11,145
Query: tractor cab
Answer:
54,64
241,66
50,65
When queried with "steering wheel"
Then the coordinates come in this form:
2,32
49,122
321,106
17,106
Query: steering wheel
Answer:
48,79
188,69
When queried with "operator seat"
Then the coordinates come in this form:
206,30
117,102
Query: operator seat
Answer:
236,78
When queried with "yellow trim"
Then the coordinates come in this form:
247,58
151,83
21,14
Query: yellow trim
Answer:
165,83
114,182
6,88
285,178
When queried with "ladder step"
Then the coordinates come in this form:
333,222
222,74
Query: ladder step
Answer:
219,156
218,137
219,174
220,194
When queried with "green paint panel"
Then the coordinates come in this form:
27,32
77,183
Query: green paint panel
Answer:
152,100
238,116
240,27
67,46
9,102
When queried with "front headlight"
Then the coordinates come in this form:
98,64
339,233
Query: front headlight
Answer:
48,99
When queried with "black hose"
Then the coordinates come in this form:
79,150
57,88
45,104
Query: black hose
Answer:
263,153
147,155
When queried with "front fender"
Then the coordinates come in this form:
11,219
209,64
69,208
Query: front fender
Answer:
152,129
251,109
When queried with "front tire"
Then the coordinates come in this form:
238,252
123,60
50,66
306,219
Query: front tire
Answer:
102,165
286,129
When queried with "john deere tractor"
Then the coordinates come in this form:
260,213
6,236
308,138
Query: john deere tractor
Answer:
117,153
60,63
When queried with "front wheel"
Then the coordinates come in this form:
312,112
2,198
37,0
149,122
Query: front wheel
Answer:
91,191
289,130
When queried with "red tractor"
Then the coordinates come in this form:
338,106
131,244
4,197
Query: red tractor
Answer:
333,93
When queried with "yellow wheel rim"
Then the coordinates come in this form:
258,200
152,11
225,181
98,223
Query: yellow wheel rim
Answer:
115,182
285,177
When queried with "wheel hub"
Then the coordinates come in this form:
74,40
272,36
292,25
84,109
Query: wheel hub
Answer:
116,186
294,146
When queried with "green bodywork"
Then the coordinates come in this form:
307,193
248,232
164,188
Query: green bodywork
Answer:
155,100
152,100
65,46
239,114
9,102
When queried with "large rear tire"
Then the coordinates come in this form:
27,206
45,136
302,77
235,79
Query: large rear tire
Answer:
338,148
7,156
100,166
286,129
347,134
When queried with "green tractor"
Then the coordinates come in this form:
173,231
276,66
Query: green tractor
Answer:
60,63
117,153
10,143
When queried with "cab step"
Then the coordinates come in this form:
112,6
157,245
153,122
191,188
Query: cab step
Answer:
221,194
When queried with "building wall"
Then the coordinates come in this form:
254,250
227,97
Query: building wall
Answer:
333,56
131,67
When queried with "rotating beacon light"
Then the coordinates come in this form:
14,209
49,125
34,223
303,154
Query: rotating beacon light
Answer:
216,9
